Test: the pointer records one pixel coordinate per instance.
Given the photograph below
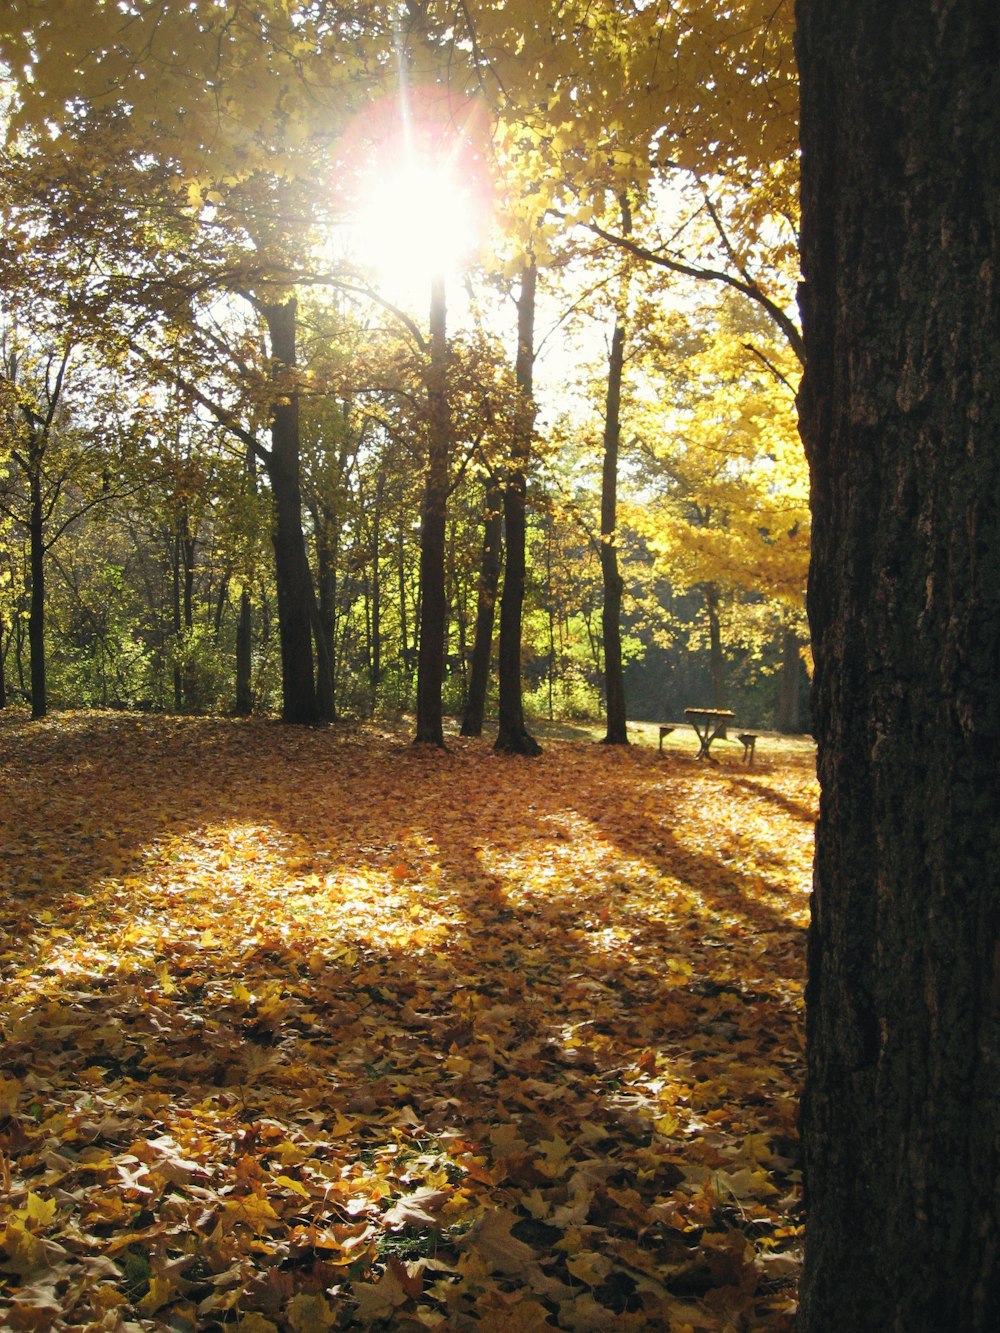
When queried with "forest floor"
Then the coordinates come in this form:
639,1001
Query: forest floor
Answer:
308,1030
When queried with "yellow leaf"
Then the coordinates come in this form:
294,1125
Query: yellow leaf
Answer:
667,1125
253,1322
40,1210
341,1127
309,1313
589,1267
161,1290
253,1210
296,1186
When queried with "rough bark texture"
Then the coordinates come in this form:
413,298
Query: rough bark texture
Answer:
513,736
291,564
489,581
433,602
901,419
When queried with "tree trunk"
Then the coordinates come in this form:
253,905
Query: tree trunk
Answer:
611,610
512,734
900,416
178,622
716,664
489,581
433,602
375,658
36,606
244,624
405,655
790,683
291,565
244,657
327,558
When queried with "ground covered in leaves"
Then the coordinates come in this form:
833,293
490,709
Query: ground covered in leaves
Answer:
317,1030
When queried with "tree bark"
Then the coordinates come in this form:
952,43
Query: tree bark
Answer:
36,605
512,735
716,663
489,581
900,416
611,609
294,581
433,602
375,655
244,624
790,683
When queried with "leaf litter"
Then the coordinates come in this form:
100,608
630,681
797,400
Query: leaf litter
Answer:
320,1030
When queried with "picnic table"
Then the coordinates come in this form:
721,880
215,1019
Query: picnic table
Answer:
709,724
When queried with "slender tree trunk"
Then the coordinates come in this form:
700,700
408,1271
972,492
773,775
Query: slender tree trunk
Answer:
178,623
790,686
489,581
513,736
716,663
611,612
4,645
375,663
244,657
404,631
327,532
244,624
433,602
187,605
36,606
900,413
291,563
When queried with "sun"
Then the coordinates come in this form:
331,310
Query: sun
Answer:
417,189
417,220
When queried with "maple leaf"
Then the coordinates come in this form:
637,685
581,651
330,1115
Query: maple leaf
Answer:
418,1209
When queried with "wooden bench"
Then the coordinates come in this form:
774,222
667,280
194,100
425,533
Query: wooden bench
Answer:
748,739
664,731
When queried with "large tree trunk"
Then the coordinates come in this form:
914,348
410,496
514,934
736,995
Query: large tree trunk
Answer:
291,564
489,581
512,734
36,606
900,413
433,602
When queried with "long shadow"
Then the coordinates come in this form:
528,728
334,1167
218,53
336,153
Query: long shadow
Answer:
794,808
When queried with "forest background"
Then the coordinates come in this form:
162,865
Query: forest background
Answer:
241,467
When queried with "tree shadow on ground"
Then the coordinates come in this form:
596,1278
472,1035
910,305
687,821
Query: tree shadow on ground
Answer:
514,970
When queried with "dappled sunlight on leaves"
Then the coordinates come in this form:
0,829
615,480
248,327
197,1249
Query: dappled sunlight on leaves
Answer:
310,1030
